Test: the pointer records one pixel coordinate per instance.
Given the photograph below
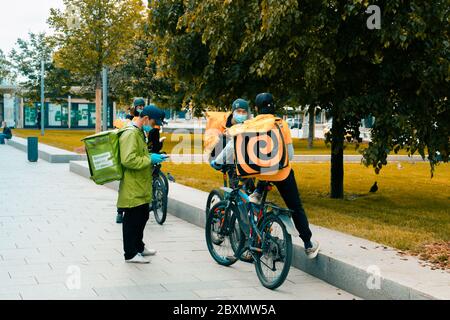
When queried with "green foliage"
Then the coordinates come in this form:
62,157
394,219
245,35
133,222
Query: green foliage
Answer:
102,31
6,72
26,59
321,53
135,74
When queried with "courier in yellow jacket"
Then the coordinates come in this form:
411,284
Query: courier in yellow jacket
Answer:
286,184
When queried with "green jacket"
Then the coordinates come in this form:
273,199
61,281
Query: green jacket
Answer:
136,185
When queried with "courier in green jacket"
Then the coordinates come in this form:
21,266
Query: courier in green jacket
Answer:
135,190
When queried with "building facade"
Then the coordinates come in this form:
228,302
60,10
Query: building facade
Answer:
9,105
70,113
67,113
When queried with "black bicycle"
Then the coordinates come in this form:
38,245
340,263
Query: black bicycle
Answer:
262,230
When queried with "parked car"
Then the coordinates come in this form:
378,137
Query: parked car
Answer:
294,123
327,126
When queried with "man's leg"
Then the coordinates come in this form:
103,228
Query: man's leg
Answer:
143,218
289,192
256,196
130,230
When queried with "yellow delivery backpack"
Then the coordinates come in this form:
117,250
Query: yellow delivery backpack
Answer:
215,128
121,123
260,148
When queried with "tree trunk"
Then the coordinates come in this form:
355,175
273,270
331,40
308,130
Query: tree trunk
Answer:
311,126
337,159
98,104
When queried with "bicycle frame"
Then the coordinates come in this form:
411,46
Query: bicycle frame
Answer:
255,213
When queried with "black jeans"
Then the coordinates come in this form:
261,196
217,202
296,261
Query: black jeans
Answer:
291,196
134,221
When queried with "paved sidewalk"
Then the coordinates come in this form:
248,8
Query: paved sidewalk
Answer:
55,225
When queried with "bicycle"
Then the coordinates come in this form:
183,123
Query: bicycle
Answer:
160,187
246,226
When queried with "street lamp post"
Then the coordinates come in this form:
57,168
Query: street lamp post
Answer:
42,97
105,98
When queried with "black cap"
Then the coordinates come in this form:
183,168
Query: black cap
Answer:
265,104
153,112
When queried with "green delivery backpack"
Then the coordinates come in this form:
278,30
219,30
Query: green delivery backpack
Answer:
102,150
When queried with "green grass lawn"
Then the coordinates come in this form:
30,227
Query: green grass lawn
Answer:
71,140
64,139
409,212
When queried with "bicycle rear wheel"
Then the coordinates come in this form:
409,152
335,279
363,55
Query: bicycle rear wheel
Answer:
159,202
221,225
274,262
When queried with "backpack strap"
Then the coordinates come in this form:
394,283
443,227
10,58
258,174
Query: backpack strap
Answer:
127,128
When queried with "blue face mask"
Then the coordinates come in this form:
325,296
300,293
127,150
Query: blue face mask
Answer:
137,112
240,118
147,128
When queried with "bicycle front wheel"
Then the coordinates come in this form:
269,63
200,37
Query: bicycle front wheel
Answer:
215,196
159,200
274,261
220,225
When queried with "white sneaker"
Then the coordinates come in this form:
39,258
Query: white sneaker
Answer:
312,252
255,198
148,252
137,259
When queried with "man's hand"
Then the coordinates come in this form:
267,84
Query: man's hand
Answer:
215,165
156,158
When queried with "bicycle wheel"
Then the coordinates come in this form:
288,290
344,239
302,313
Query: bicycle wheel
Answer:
219,224
273,263
159,201
214,197
165,180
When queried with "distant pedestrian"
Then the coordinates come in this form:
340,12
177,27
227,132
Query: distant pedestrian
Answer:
38,119
6,133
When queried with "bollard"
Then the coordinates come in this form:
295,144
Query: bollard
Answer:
32,149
